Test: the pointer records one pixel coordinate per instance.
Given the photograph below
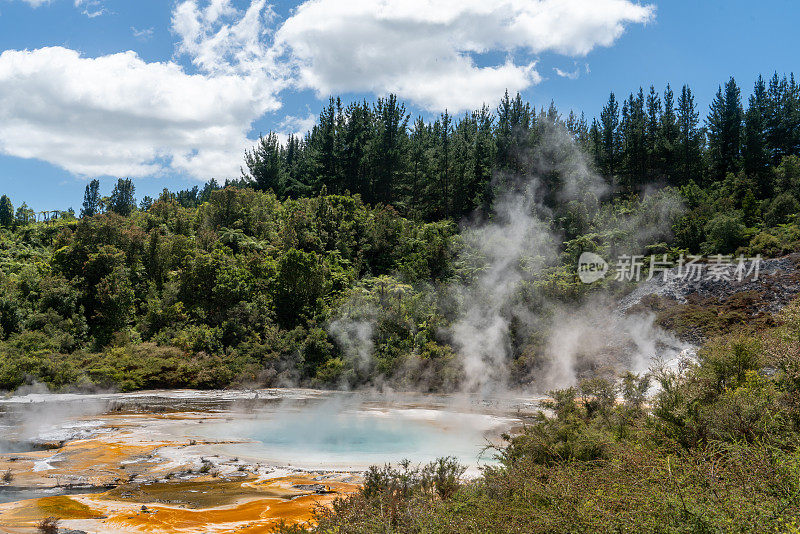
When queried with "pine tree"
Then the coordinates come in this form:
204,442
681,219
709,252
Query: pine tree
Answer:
774,123
514,122
653,130
339,149
755,153
634,140
792,110
625,136
596,144
690,139
483,159
571,123
6,212
609,135
264,165
357,136
322,146
294,157
391,123
725,130
91,199
464,135
579,129
205,193
552,115
122,200
188,198
668,139
782,118
442,132
420,164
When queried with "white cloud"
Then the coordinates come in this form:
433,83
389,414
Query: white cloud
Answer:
424,49
91,8
571,74
220,40
120,115
144,34
298,126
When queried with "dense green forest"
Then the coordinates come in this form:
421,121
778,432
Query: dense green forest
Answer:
368,217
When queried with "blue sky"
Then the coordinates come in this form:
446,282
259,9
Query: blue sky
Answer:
170,92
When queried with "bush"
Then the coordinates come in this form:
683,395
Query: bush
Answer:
781,209
443,476
776,241
727,360
725,233
440,477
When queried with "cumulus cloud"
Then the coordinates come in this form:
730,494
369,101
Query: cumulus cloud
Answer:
425,50
120,115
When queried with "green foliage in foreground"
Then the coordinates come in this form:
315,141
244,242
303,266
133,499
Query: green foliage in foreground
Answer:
715,452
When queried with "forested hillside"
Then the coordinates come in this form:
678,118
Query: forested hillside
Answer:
246,281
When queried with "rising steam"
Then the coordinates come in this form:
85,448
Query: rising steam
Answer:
513,248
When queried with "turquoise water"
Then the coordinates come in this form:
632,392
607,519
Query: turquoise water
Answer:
338,437
342,434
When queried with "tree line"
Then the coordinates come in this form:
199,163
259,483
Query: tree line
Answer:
446,168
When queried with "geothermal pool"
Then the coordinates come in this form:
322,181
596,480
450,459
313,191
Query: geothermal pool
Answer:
222,461
350,434
298,428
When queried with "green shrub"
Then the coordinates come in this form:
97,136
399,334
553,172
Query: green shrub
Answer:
725,234
781,209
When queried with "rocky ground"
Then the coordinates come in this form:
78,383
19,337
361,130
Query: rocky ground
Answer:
696,309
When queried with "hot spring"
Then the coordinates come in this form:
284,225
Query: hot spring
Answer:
345,431
150,460
279,427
